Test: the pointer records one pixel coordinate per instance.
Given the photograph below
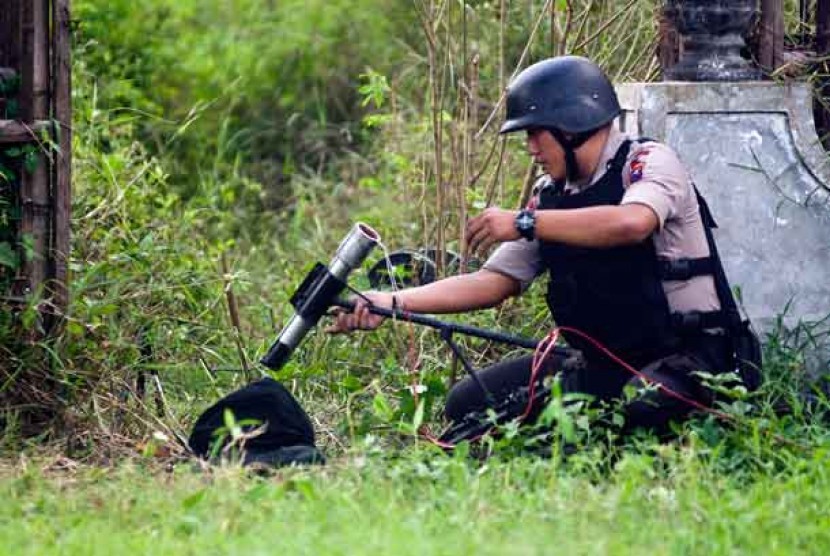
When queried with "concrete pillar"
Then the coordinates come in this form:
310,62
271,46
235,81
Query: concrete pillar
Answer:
753,151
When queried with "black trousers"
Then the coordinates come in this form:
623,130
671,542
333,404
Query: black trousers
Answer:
605,380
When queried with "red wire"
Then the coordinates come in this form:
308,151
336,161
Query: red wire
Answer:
541,353
694,403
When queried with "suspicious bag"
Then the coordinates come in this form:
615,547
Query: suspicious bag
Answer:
287,438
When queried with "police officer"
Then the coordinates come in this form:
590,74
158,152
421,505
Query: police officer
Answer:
618,225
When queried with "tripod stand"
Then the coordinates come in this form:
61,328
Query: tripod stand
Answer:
497,411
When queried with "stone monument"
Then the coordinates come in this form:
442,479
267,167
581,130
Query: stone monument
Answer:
753,152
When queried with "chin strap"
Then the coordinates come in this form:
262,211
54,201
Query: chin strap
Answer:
569,145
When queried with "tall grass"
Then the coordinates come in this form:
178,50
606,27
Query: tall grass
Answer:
254,89
260,132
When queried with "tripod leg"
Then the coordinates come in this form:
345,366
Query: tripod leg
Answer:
446,335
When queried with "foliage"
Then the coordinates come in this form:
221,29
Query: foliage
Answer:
243,92
13,159
261,131
9,216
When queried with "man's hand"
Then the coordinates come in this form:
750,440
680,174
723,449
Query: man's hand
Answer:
360,318
492,226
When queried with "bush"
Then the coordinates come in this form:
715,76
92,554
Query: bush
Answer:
249,90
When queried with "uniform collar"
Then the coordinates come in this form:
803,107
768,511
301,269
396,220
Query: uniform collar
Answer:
612,144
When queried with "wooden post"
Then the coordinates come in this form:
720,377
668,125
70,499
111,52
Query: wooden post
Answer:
822,28
771,36
35,42
9,34
668,46
34,104
62,193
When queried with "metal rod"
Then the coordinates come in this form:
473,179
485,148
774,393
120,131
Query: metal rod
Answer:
446,335
418,318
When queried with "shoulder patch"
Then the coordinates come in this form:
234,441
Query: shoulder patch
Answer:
637,165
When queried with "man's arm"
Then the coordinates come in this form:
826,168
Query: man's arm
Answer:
456,294
604,226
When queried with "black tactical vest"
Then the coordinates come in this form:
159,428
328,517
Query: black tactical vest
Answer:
616,296
613,294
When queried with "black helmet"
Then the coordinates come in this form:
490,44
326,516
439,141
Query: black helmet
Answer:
568,93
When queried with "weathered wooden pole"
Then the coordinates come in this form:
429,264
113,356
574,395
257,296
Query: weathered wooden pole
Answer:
62,168
35,225
771,35
35,46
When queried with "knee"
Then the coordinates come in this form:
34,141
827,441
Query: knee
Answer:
653,409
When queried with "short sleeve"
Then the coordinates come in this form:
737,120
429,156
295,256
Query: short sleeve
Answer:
518,259
654,176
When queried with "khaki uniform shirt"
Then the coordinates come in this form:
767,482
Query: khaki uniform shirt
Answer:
652,176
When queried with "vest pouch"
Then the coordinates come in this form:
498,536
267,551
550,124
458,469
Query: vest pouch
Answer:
748,359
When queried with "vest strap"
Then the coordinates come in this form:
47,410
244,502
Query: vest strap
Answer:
683,269
695,321
727,302
616,164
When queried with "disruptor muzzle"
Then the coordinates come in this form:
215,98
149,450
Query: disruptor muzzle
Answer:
319,290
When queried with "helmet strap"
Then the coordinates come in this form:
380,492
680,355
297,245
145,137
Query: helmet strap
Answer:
569,145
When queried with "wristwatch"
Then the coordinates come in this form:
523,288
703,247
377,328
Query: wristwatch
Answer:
526,224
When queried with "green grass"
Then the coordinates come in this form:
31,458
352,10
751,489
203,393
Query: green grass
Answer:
670,502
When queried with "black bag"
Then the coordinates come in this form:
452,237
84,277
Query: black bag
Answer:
288,437
746,348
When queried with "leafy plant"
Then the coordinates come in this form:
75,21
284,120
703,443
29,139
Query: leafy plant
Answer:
230,439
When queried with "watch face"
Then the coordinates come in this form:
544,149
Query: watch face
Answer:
525,221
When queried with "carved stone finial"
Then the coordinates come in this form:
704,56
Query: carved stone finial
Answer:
713,35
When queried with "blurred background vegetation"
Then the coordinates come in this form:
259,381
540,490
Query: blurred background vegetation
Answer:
256,132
